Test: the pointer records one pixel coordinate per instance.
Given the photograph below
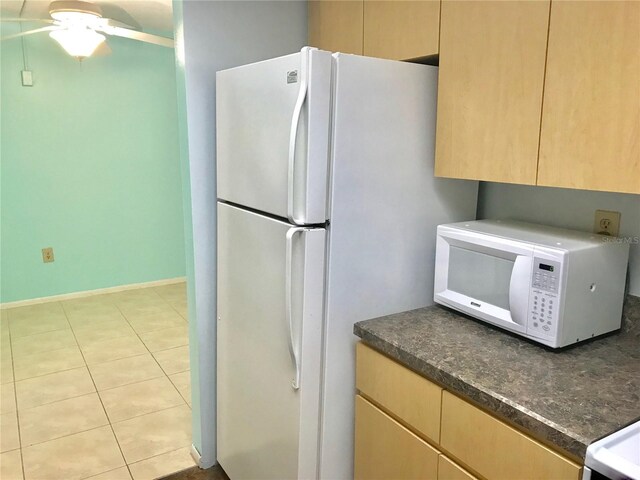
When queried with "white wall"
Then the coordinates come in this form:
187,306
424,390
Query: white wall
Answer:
219,35
562,207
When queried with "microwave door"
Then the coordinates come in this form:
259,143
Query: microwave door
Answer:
519,289
487,278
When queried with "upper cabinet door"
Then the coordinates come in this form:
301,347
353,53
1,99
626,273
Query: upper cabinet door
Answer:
492,59
400,29
591,116
336,25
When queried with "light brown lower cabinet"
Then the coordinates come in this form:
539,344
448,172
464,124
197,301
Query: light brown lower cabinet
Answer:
451,438
413,399
387,450
496,450
448,470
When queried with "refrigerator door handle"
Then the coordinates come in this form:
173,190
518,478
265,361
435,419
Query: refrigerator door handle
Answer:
297,111
294,349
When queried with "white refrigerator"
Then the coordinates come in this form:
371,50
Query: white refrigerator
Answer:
327,215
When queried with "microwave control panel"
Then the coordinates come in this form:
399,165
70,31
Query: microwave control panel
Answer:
543,301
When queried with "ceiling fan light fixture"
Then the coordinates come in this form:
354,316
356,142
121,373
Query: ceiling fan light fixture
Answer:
78,42
65,10
75,18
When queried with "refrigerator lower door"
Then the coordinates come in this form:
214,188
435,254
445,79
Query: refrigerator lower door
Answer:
272,126
270,301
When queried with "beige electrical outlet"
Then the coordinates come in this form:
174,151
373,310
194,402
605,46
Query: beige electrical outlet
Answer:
47,255
607,223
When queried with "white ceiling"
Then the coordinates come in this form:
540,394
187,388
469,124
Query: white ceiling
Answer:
147,15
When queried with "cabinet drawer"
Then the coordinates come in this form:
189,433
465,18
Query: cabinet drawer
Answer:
402,392
447,470
494,449
385,449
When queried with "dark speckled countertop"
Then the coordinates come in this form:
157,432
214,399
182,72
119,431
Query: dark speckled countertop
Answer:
568,398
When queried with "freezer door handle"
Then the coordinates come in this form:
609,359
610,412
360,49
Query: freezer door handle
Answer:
294,348
297,111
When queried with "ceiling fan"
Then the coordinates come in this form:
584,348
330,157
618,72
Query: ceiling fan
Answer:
78,27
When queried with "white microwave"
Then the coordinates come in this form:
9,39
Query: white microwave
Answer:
554,286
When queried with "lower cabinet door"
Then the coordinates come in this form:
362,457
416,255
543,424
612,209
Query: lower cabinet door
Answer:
447,470
412,399
495,450
384,449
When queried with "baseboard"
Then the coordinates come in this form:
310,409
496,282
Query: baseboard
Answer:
90,293
195,455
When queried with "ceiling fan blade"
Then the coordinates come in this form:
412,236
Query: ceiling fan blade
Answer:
31,32
103,50
141,36
27,20
117,16
111,22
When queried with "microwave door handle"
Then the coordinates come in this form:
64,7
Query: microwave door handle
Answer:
519,289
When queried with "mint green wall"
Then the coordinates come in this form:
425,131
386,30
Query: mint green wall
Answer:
89,166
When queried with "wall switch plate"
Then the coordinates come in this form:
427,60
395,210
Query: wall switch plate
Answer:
47,255
27,78
607,223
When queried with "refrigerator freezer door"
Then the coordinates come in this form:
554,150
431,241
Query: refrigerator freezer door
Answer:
273,135
270,300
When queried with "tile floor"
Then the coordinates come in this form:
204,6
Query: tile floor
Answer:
96,387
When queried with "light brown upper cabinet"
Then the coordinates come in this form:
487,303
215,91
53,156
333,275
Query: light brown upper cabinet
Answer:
492,60
400,29
336,25
591,115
